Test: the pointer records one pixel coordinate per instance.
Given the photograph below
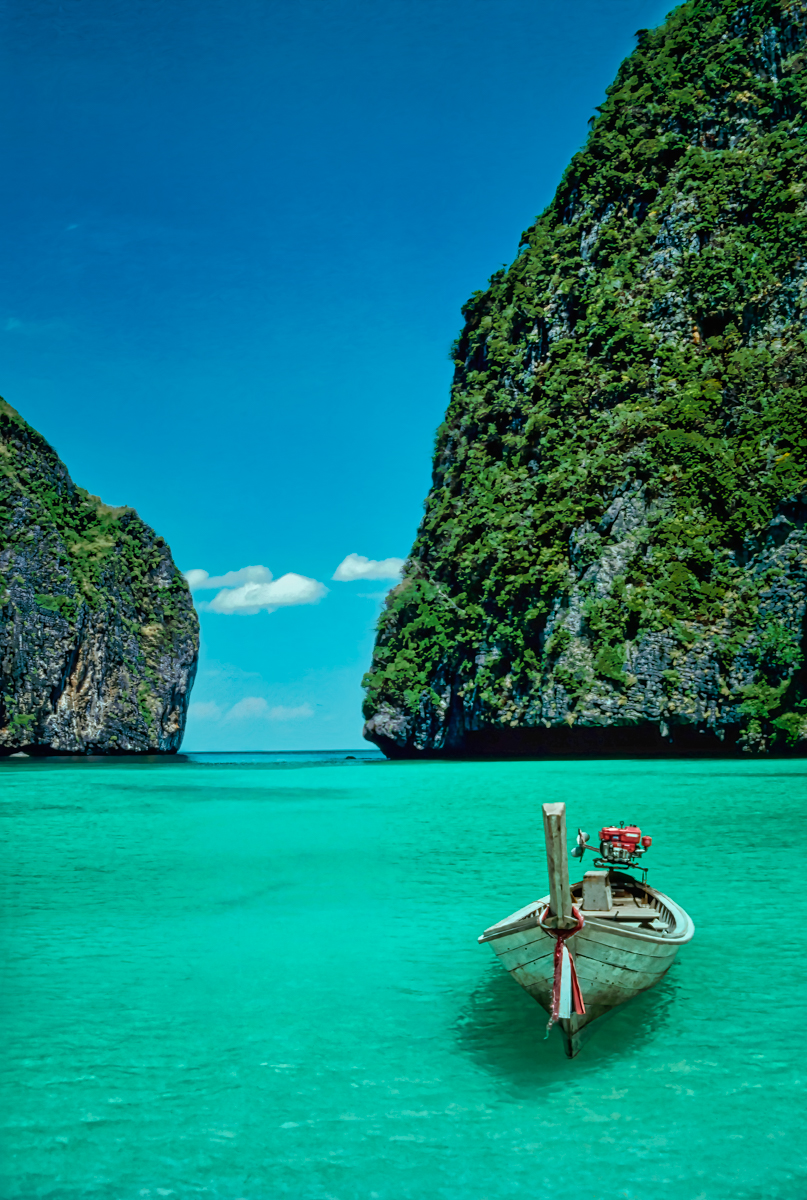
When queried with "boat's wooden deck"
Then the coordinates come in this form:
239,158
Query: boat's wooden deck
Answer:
632,906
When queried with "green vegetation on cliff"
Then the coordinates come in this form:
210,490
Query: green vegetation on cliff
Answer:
645,352
93,534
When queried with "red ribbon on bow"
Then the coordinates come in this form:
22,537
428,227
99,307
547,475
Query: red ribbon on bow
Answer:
561,951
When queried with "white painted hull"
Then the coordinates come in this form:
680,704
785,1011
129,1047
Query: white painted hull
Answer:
615,960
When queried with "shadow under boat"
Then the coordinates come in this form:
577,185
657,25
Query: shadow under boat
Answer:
503,1031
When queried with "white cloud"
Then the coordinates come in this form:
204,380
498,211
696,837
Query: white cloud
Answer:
357,566
249,708
290,712
255,706
200,581
252,589
284,592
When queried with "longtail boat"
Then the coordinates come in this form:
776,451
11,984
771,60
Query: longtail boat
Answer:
590,946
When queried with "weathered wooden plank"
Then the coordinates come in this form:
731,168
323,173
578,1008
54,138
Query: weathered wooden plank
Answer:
596,979
597,890
623,912
532,973
595,990
653,945
516,916
521,937
610,975
520,956
504,931
560,896
596,995
622,956
599,998
525,955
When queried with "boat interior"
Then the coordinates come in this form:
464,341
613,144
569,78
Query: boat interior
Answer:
609,897
612,896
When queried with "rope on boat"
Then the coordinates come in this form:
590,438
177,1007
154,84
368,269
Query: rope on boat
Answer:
566,992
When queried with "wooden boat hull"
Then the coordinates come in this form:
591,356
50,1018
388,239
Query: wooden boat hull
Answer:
615,960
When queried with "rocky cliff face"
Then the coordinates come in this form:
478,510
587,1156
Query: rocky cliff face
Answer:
613,557
99,636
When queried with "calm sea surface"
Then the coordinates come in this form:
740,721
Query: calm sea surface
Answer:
258,977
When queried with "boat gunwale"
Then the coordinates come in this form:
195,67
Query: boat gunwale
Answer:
682,930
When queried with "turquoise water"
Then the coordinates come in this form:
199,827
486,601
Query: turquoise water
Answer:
250,977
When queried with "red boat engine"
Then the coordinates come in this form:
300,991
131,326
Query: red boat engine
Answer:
622,845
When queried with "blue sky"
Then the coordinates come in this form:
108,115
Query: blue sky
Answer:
238,235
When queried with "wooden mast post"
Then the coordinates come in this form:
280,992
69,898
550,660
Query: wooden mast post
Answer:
560,896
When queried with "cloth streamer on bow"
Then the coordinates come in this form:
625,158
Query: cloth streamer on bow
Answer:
566,992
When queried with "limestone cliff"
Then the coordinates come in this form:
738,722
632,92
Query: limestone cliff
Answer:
99,636
613,557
